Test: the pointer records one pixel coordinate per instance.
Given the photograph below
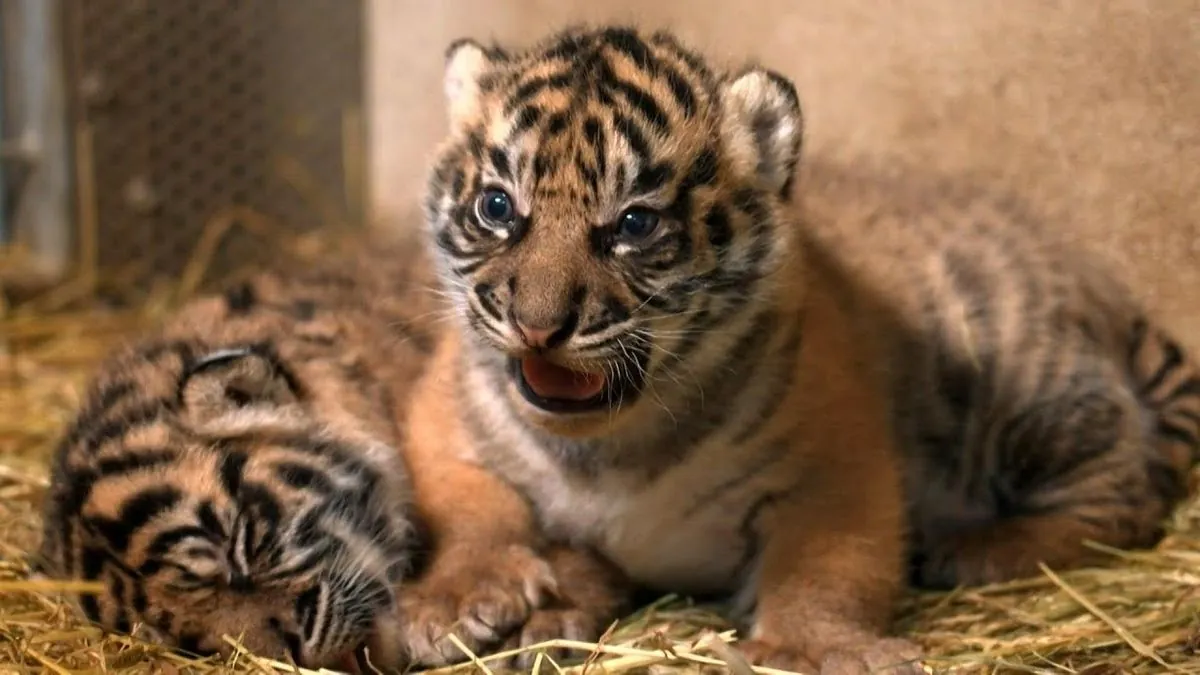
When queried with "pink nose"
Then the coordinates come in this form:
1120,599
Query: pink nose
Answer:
536,337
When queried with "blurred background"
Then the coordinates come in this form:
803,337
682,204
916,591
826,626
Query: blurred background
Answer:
152,133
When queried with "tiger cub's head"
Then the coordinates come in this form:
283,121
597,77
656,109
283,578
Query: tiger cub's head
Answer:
199,491
603,200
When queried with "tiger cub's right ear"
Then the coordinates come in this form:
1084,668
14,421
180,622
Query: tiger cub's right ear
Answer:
228,380
467,62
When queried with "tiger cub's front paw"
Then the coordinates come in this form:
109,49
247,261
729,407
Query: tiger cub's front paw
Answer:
481,597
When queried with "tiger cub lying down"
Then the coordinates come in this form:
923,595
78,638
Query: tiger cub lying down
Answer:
243,474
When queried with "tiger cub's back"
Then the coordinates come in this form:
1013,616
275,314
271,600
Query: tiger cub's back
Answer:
1026,376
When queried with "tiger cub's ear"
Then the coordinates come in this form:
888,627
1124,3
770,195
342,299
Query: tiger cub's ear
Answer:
227,380
763,126
467,62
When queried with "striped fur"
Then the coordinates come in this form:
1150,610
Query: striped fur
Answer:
238,473
771,392
1038,402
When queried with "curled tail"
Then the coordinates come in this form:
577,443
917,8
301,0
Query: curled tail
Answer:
1168,384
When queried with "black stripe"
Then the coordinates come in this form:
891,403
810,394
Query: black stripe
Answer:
458,182
116,585
643,101
1172,359
526,120
557,124
720,234
1168,429
294,643
261,516
92,561
535,86
694,62
592,178
746,201
483,293
91,608
543,165
475,144
240,299
651,178
135,512
232,466
303,477
139,602
1190,416
681,90
189,643
1188,389
306,608
593,132
136,460
500,163
702,172
627,42
163,541
629,130
445,241
112,394
96,436
613,313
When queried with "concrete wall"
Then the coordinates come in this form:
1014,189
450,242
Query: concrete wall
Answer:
1091,108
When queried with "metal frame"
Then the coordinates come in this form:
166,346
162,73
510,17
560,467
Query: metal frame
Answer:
35,149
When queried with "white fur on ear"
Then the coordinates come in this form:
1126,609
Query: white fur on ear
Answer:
763,126
466,63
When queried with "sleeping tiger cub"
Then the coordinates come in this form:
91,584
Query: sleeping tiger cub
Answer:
728,379
243,474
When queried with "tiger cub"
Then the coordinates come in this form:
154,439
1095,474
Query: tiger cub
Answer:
666,352
239,475
1037,404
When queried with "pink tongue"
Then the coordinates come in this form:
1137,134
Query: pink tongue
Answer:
551,381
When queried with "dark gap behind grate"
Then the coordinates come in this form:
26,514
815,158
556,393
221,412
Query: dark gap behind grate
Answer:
192,106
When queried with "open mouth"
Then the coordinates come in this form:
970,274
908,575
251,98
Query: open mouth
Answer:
558,389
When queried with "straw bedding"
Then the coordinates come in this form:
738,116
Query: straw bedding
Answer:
1140,613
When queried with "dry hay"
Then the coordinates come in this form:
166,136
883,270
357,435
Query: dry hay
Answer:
1139,614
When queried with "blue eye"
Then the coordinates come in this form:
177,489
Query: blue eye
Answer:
637,224
495,205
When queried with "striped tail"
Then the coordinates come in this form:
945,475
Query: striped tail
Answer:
1168,384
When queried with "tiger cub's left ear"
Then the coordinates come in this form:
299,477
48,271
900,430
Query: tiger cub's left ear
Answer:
467,62
763,126
226,380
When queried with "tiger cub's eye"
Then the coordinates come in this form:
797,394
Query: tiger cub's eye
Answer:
637,224
496,206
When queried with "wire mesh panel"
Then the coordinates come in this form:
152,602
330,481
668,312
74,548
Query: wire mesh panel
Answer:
197,120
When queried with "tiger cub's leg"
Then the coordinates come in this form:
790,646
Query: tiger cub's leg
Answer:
1099,460
489,578
831,561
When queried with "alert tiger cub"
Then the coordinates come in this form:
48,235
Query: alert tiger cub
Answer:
246,473
729,380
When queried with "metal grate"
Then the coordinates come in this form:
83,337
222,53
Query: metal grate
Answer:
185,110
